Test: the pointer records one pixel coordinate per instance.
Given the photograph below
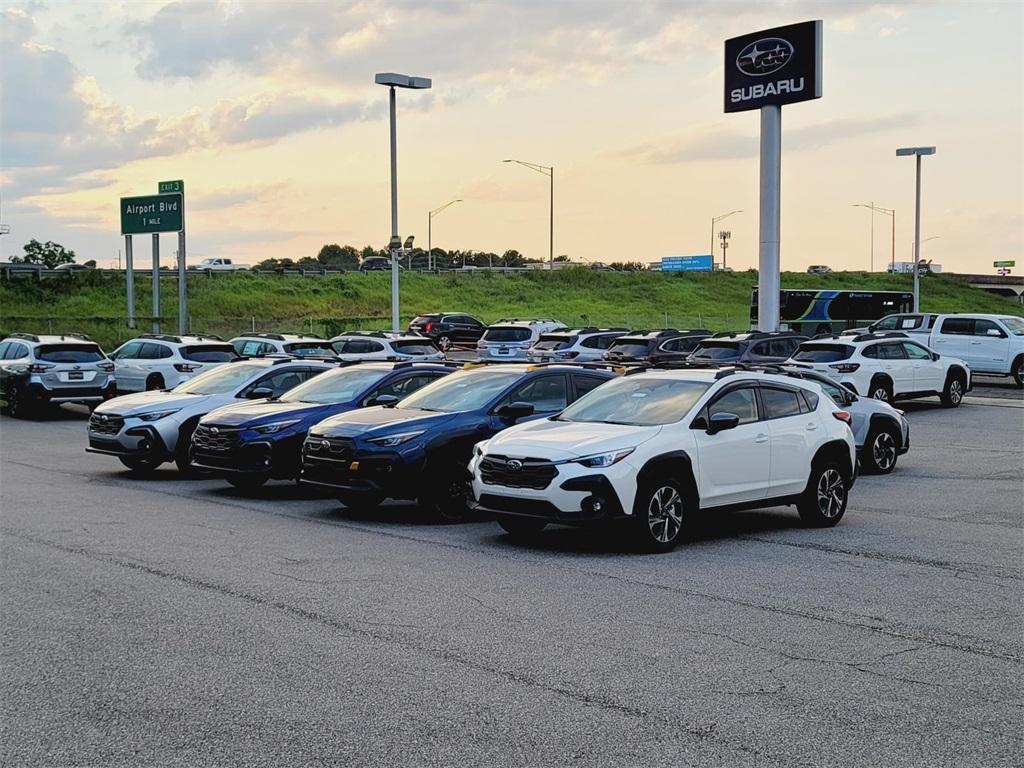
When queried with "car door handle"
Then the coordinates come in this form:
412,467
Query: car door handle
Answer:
762,438
812,425
975,342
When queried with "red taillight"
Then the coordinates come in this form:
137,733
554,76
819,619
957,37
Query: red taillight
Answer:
845,367
106,367
843,416
567,355
427,327
39,368
186,368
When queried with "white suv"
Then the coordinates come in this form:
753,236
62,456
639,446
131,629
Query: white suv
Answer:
510,339
291,344
384,345
887,366
658,445
155,361
582,345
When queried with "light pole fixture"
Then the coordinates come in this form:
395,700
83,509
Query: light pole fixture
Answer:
393,80
724,236
547,170
430,219
715,220
917,152
891,212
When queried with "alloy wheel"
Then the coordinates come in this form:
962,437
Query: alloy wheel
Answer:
665,514
956,391
831,493
881,393
883,450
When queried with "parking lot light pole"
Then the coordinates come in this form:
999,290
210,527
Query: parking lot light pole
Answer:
715,220
430,244
917,152
891,212
393,80
547,170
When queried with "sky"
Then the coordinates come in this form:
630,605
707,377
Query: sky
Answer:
268,112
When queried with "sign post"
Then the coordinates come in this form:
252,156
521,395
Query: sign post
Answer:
129,280
169,187
156,282
764,70
149,214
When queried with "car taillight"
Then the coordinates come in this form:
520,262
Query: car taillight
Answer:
843,416
567,355
186,367
845,367
106,367
39,368
427,327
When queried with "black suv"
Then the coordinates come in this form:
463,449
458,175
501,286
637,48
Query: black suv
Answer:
747,347
447,328
645,345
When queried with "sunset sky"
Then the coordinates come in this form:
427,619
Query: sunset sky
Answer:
269,113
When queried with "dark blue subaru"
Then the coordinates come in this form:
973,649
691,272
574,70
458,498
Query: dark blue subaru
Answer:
250,443
419,449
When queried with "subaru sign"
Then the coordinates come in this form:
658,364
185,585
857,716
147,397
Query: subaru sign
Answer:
700,263
775,66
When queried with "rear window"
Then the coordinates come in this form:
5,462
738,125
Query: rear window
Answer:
552,341
414,347
507,334
210,353
426,319
717,350
307,348
630,347
70,353
822,353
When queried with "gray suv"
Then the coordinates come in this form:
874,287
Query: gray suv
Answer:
747,347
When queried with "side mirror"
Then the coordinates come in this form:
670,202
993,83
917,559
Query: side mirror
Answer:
514,411
994,332
260,393
723,421
386,401
936,355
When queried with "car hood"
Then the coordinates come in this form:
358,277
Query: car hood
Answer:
365,419
263,411
146,402
561,440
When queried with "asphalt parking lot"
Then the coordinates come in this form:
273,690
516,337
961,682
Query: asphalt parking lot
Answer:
180,622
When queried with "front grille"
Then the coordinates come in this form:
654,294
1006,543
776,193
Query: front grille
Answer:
328,448
517,473
103,424
531,507
208,438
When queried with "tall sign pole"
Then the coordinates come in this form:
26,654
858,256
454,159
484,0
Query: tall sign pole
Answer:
156,282
166,188
149,214
129,285
764,70
917,152
395,243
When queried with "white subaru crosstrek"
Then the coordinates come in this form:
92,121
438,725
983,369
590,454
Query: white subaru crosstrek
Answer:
656,446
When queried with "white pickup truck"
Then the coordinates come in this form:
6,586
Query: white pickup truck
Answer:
989,344
220,265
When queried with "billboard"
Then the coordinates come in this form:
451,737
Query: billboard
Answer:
700,263
775,66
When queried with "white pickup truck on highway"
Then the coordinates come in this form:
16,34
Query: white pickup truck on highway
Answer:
220,265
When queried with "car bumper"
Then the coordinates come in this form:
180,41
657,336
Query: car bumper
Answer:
490,353
259,457
89,393
138,441
380,473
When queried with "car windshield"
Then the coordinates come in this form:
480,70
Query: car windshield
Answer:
507,334
308,348
822,353
630,347
461,391
1014,325
210,353
338,386
638,401
717,350
551,342
414,347
70,353
220,380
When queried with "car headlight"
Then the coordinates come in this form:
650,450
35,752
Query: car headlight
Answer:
478,449
390,441
604,459
157,415
275,426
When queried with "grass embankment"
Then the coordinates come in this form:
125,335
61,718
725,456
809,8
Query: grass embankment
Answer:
226,304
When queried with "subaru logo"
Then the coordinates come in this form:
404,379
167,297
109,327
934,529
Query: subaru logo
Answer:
104,417
514,465
77,367
214,431
325,444
767,55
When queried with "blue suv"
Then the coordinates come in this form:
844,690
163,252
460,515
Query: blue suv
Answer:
420,448
250,443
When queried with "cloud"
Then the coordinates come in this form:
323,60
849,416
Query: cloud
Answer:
219,199
715,142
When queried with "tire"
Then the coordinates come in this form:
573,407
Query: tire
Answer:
521,527
953,393
444,343
360,500
17,407
139,464
659,510
448,498
247,482
183,451
1018,371
881,389
156,381
823,502
878,456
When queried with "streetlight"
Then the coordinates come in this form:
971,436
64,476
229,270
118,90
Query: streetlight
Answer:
888,212
715,220
933,237
547,170
916,152
393,80
430,218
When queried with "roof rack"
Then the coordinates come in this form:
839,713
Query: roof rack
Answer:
442,363
596,365
374,334
160,337
526,320
76,335
870,336
25,336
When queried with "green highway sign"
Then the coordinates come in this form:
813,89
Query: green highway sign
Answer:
151,213
168,187
1004,263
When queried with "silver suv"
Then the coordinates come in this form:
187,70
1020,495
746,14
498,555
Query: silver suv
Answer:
40,370
293,344
581,345
510,339
146,429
